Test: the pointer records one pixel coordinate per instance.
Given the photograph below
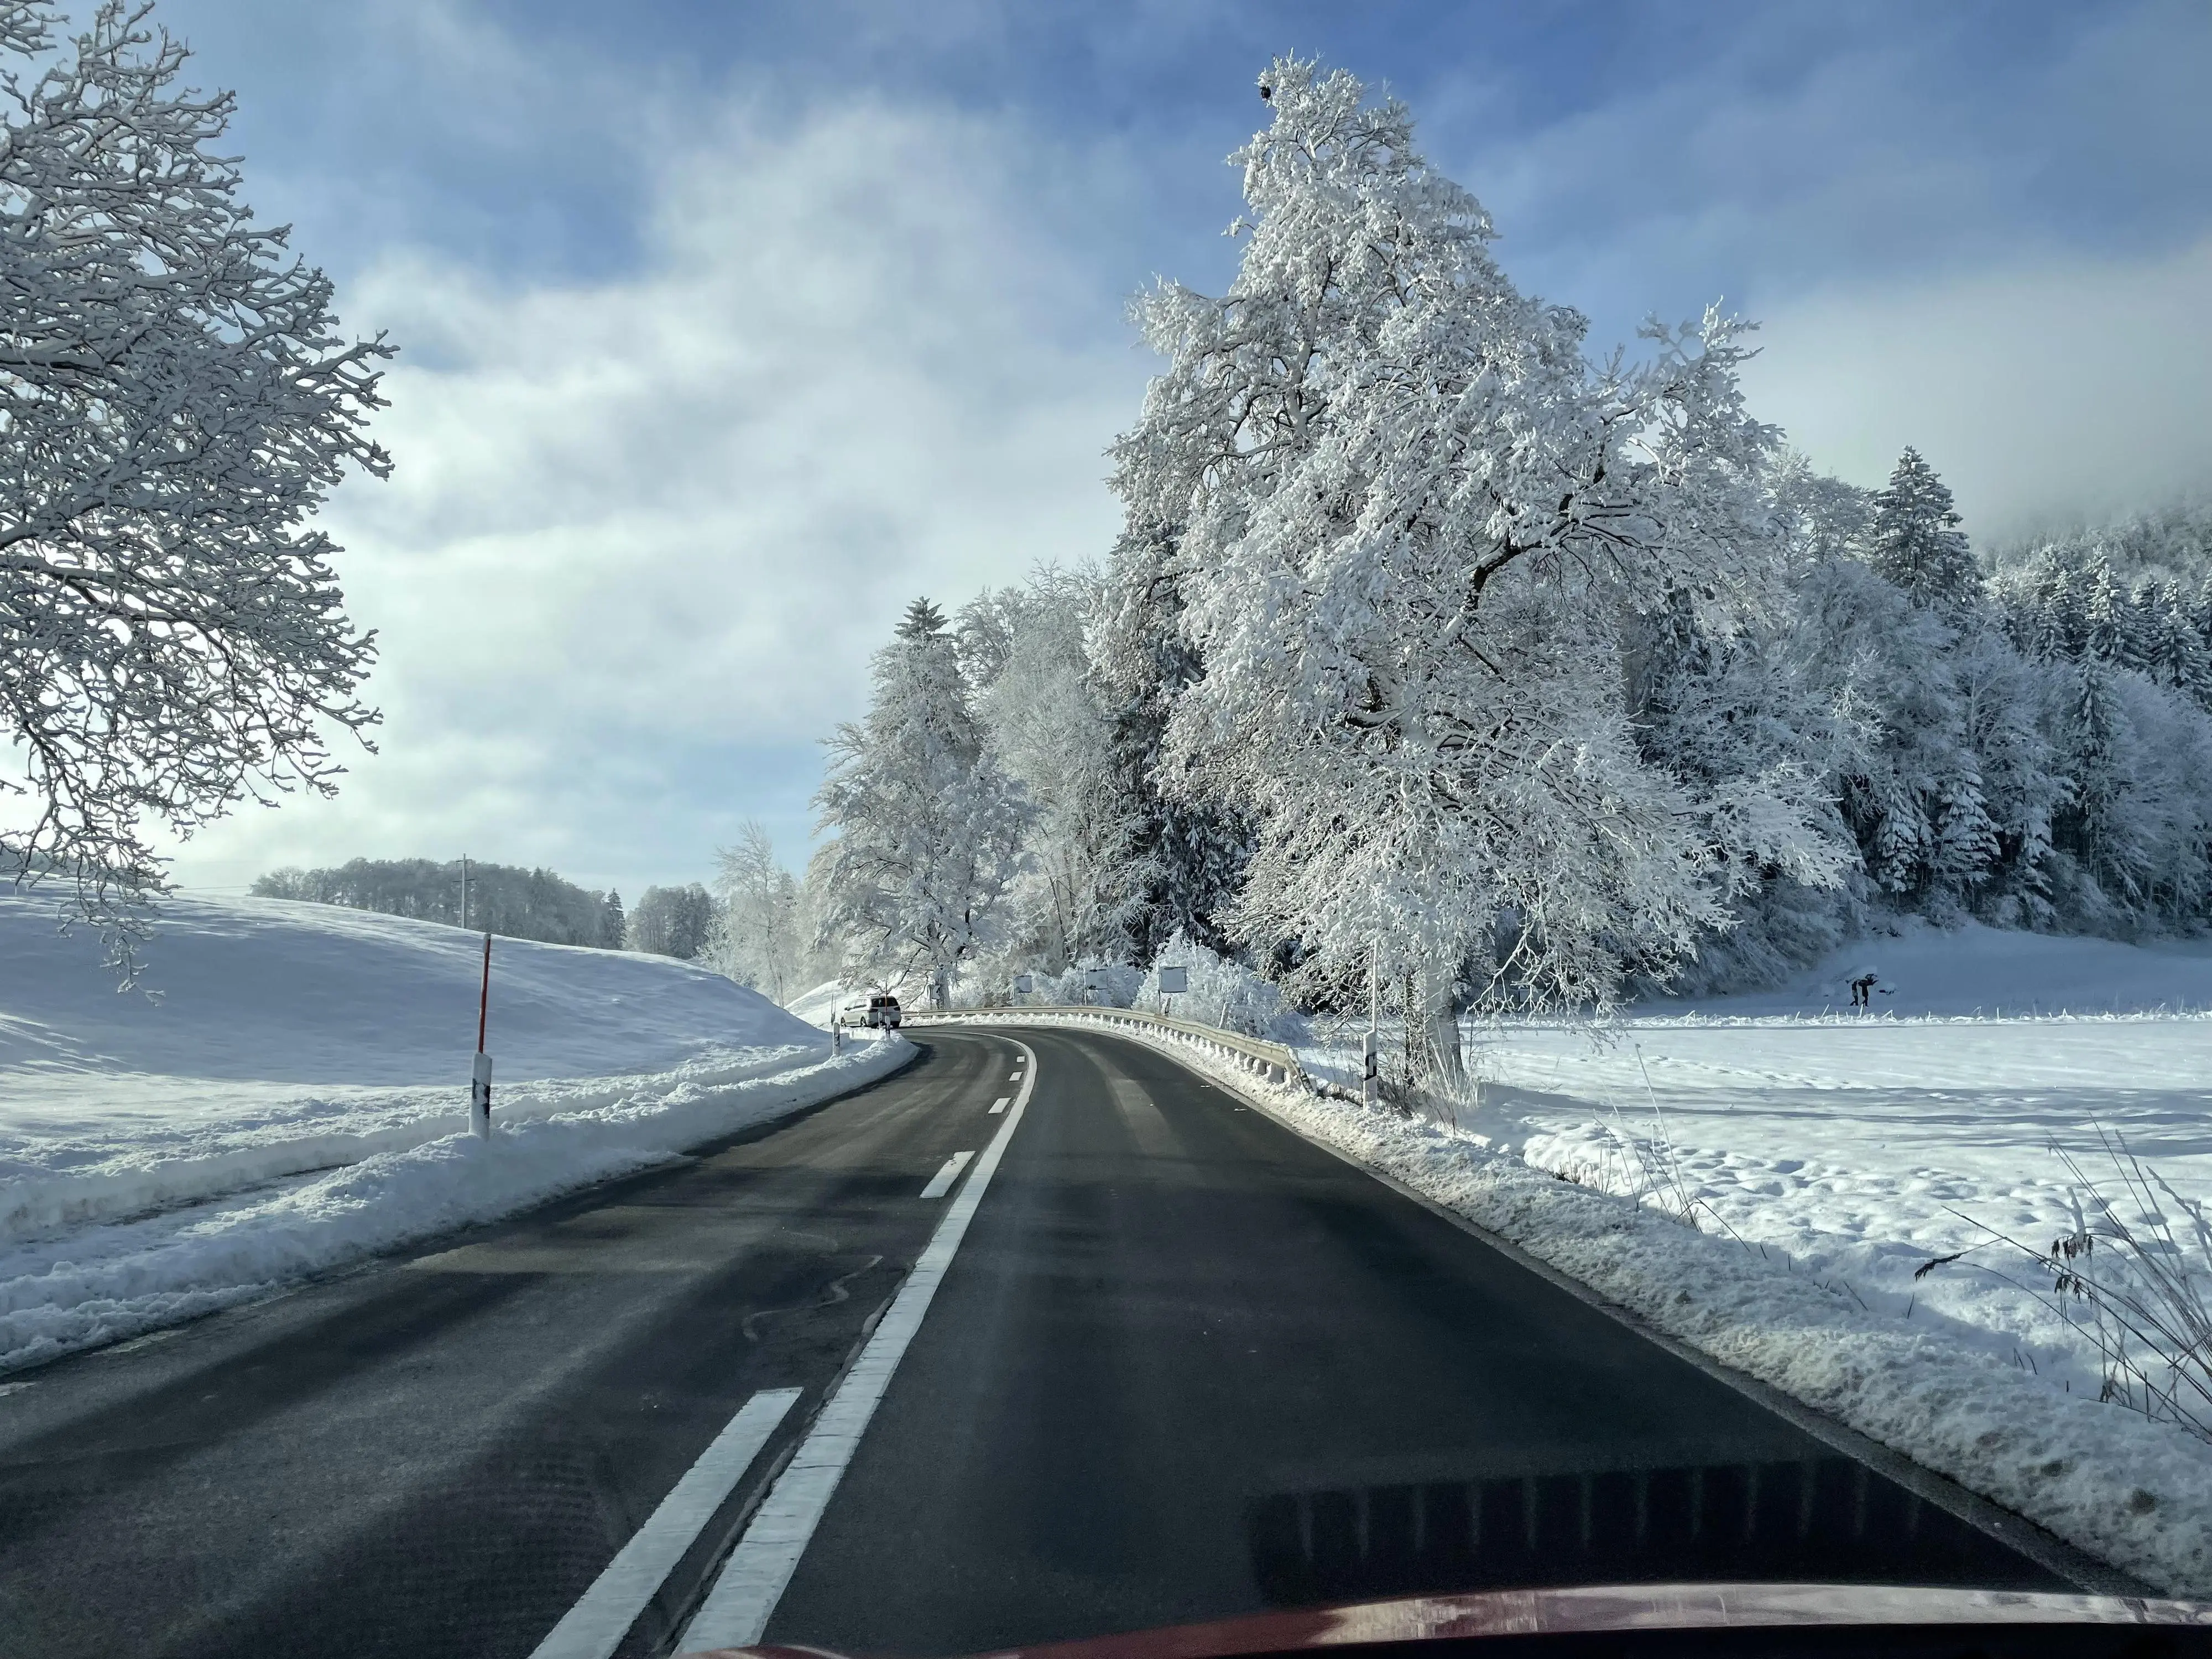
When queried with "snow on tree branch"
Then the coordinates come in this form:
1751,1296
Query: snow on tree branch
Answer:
176,402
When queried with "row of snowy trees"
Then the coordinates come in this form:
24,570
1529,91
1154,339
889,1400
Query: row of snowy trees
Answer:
2068,604
502,899
684,920
1435,643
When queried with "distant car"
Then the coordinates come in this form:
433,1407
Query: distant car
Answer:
879,1010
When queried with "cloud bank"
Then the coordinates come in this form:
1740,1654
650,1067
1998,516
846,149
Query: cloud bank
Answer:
643,532
2044,395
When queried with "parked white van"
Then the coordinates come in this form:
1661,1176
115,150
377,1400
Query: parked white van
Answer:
873,1008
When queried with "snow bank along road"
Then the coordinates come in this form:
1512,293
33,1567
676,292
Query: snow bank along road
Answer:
1161,1359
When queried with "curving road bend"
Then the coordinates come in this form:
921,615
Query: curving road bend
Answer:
1176,1364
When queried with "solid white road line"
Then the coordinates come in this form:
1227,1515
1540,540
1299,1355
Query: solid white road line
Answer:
737,1609
999,1106
595,1626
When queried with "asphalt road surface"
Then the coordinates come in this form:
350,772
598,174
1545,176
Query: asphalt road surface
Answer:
1180,1365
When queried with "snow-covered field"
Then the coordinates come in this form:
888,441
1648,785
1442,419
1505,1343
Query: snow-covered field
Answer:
296,1097
1865,1146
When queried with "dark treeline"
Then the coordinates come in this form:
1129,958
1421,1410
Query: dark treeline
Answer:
502,899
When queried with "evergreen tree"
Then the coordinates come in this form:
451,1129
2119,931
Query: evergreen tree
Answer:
2096,828
1188,855
928,827
1917,541
2104,615
614,929
2063,623
2173,653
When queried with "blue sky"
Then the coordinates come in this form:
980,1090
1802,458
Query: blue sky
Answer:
727,328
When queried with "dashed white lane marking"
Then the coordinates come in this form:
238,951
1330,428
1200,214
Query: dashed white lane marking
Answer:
595,1626
1014,1077
941,1183
737,1609
999,1106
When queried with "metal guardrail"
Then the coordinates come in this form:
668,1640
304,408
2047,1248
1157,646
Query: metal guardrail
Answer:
1273,1059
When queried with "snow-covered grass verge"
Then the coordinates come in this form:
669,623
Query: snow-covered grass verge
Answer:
296,1099
2132,1491
103,1283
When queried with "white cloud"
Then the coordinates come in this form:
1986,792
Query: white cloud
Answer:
2054,391
642,521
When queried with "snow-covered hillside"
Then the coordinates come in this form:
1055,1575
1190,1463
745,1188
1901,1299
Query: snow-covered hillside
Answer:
294,1090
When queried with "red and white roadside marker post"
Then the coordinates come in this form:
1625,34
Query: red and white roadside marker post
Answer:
480,1084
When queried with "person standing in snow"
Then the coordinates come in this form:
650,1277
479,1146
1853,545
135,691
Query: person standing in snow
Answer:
1863,988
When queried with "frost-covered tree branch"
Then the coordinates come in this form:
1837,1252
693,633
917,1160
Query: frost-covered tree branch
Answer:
176,402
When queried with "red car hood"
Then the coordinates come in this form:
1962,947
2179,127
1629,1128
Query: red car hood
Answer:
1604,1607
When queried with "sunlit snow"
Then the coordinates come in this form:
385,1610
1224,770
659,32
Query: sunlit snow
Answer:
297,1096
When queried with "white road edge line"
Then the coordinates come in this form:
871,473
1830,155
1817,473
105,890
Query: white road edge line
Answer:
999,1106
941,1183
595,1626
736,1609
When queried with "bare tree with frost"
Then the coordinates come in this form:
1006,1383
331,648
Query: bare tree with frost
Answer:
176,402
1413,518
758,942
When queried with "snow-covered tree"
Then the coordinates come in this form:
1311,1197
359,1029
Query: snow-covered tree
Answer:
2108,624
758,942
1412,518
1916,539
674,922
1820,517
1026,654
928,827
2173,652
175,404
614,928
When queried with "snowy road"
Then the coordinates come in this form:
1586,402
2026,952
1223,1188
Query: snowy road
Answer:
1183,1364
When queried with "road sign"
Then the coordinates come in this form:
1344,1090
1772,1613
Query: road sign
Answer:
1174,982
